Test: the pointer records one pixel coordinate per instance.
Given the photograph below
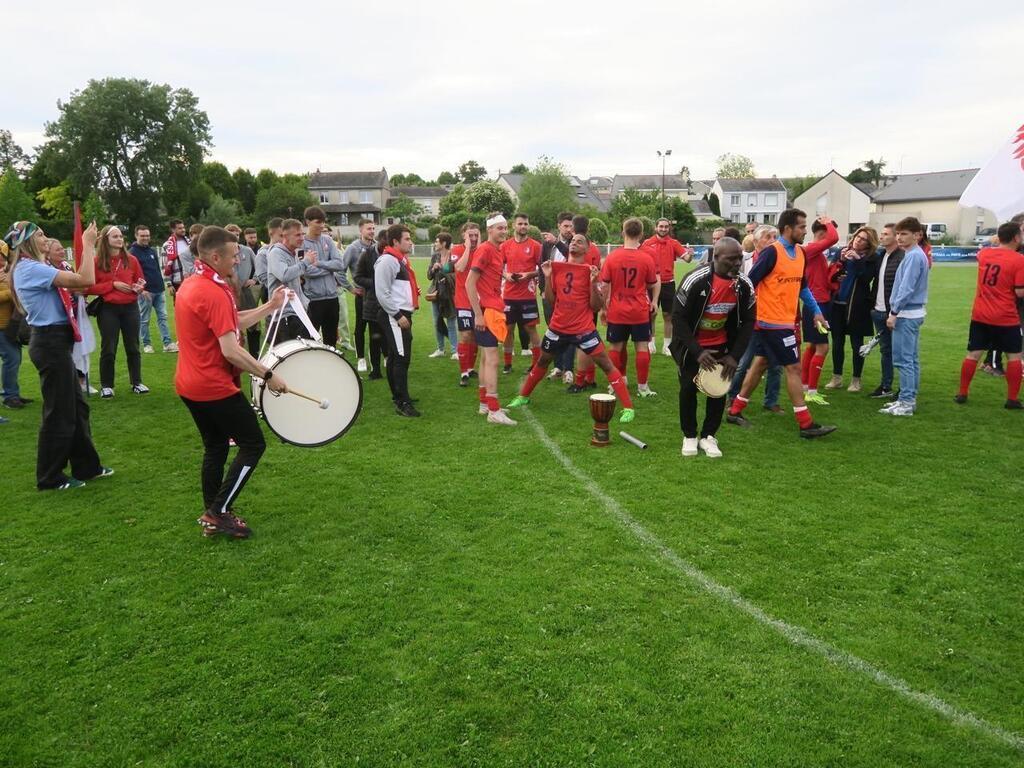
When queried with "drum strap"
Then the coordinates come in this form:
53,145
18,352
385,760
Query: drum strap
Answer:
275,321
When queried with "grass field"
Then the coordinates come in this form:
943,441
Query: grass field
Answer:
440,591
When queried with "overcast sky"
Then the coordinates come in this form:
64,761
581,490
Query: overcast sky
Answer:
799,87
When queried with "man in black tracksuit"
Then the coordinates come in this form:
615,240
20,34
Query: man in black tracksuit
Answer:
395,286
712,320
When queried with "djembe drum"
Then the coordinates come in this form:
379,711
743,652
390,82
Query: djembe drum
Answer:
602,407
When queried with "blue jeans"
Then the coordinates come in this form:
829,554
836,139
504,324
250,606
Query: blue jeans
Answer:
772,384
453,335
11,355
158,302
884,346
906,356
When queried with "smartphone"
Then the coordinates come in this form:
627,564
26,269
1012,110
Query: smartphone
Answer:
301,253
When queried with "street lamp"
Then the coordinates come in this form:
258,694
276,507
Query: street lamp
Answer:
664,156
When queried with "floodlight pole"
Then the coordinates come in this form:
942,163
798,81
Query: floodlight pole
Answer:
664,157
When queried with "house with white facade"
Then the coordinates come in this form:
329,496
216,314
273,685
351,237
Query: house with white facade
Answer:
848,205
751,200
348,196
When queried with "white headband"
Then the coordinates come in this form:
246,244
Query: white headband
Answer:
499,219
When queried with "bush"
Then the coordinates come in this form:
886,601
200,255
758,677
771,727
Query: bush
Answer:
433,230
535,233
648,223
598,231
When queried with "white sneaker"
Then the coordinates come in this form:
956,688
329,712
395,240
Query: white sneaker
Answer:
94,391
651,346
690,446
361,365
901,409
834,383
482,410
555,373
854,385
455,355
436,353
710,447
645,391
889,407
148,349
500,417
666,351
140,389
172,347
107,393
567,377
526,353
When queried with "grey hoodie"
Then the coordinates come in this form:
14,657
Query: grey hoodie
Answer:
320,278
284,268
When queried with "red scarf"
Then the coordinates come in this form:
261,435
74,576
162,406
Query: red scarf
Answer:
204,270
69,304
404,261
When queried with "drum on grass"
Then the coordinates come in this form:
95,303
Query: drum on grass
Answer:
710,381
602,408
315,369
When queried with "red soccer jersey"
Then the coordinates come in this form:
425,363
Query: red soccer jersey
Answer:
521,257
666,250
1000,270
488,261
461,297
571,285
593,256
203,312
711,328
629,272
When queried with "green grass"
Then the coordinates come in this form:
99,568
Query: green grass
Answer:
441,592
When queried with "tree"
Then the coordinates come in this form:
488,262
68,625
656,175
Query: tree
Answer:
714,204
634,202
220,180
409,180
797,186
266,179
282,199
94,209
197,199
471,171
245,183
870,172
598,231
15,201
403,208
12,155
732,166
56,201
447,177
484,197
546,192
130,140
453,201
519,168
221,211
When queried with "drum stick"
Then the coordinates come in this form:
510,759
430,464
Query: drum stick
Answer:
635,441
324,404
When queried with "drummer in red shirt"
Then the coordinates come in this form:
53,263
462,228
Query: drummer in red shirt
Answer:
210,360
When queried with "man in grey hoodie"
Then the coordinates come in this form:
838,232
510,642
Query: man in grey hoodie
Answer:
321,284
287,265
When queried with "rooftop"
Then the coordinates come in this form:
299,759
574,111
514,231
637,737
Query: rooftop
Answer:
939,185
348,180
752,185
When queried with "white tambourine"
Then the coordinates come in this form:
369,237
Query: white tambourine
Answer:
710,381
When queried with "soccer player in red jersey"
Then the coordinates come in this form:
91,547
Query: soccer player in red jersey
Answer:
484,289
572,288
463,257
995,322
629,278
522,265
666,249
585,370
817,275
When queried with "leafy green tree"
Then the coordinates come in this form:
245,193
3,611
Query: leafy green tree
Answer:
12,155
300,179
221,211
453,201
197,199
282,199
404,208
485,197
266,179
519,168
245,183
56,201
41,175
447,177
797,186
471,171
598,231
634,202
714,204
732,166
546,192
870,172
220,180
131,140
15,201
94,209
409,180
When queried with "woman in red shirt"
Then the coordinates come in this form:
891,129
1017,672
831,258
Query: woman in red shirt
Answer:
119,282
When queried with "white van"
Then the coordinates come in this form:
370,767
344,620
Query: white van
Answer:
935,231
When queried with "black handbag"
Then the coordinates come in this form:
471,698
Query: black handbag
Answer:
92,309
18,331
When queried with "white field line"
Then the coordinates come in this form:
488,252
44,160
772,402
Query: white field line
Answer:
794,634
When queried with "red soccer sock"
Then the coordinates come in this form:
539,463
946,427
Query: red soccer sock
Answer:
1014,370
463,349
534,378
738,404
535,351
482,391
815,373
643,367
619,387
803,416
508,357
969,366
615,355
624,359
805,364
471,354
492,402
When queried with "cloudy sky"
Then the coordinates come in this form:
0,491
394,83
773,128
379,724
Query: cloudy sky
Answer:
799,87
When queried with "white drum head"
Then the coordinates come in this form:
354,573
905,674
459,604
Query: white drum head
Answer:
711,383
315,370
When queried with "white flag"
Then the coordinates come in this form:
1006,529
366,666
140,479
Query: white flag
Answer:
999,185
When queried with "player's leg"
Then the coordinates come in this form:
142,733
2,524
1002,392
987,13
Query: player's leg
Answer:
512,320
1014,373
758,365
643,359
688,410
978,343
551,346
618,384
534,340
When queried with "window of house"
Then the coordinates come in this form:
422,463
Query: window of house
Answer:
751,217
752,199
344,220
771,200
323,197
428,207
365,196
734,201
769,218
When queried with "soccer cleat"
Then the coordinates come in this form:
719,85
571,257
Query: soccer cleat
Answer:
666,351
500,417
472,373
518,402
628,414
567,377
436,353
455,355
816,399
148,349
555,373
901,409
172,347
961,399
506,369
710,447
646,392
140,389
854,385
69,485
464,380
526,353
1013,405
834,383
106,393
773,408
690,445
739,420
361,365
213,524
406,409
575,389
880,392
816,430
104,472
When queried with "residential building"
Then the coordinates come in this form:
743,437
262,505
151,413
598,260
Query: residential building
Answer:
746,200
348,196
428,198
585,196
932,198
701,210
848,205
676,185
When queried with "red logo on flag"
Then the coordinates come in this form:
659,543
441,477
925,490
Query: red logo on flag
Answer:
1019,152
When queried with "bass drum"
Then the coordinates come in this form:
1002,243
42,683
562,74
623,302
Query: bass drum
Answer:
314,369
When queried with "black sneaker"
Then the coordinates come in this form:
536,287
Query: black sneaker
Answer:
816,430
472,373
961,399
1013,405
464,380
739,420
507,369
575,389
406,409
375,376
14,403
880,392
